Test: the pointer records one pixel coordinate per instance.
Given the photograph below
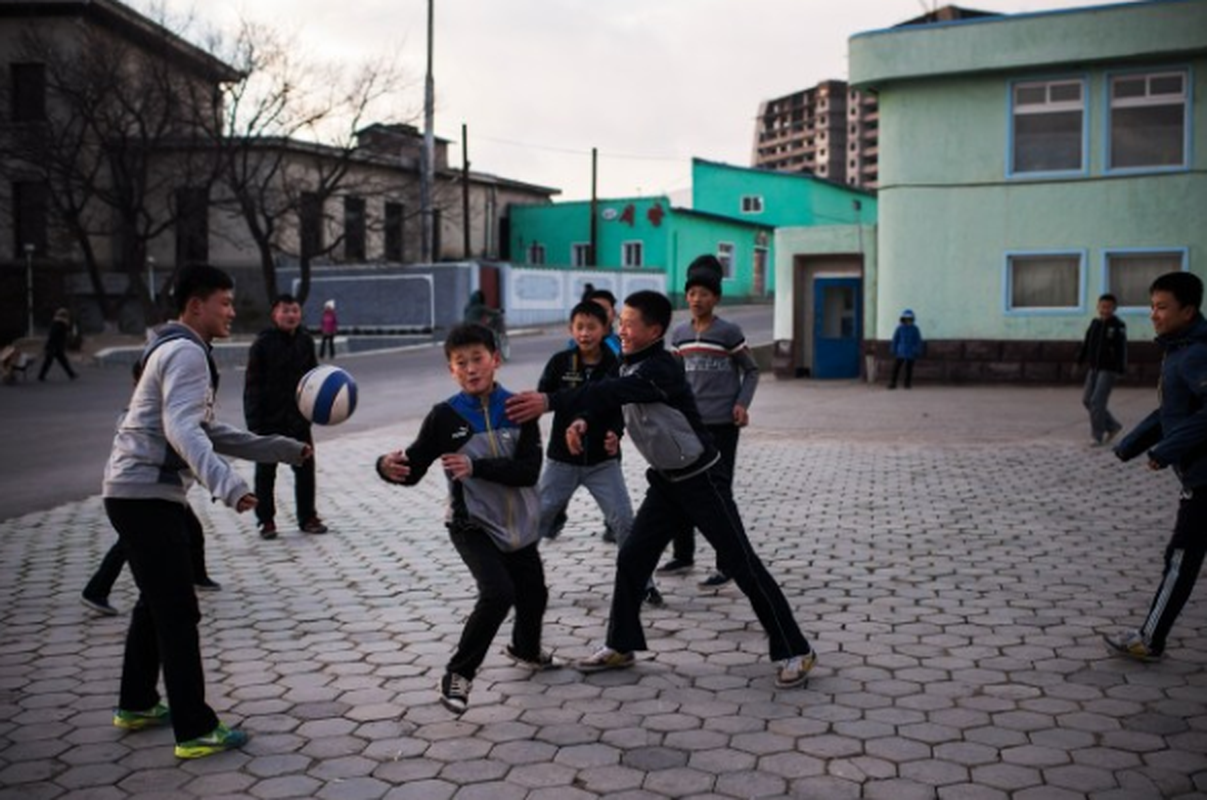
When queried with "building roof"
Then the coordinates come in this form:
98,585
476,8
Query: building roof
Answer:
128,23
797,176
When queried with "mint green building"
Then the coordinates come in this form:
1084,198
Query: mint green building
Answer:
1028,164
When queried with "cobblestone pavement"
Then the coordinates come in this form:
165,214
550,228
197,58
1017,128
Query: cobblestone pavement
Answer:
955,555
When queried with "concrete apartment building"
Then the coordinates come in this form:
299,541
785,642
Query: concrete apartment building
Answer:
829,131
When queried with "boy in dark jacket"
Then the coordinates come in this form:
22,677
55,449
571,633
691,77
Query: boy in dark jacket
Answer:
492,466
906,348
1175,435
686,482
278,359
1105,351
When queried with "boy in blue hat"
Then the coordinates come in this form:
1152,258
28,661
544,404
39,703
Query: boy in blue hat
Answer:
906,348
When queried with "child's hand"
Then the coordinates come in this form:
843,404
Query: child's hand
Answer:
574,436
246,503
458,467
307,452
394,466
611,443
741,417
526,406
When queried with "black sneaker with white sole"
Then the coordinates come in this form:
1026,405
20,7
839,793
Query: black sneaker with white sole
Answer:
454,692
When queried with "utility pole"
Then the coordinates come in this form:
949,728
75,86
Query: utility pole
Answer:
465,191
429,149
592,261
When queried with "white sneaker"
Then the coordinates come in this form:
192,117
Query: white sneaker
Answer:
794,672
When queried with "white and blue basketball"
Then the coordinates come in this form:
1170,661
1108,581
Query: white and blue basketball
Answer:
326,395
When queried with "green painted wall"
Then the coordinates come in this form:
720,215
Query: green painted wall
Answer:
788,199
817,241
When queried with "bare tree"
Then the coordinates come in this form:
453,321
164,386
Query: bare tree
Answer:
288,145
124,129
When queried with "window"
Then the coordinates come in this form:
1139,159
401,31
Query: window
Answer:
536,253
311,213
192,226
395,214
725,256
30,202
631,254
1130,273
29,92
752,204
580,254
1044,282
1048,127
1148,120
354,229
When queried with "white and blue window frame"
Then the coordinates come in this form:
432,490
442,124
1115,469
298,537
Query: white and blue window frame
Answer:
1105,268
1083,169
1043,311
1187,124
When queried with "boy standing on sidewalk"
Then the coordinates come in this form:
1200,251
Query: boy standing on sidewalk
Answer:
279,358
1174,435
723,377
687,484
167,437
1105,351
493,515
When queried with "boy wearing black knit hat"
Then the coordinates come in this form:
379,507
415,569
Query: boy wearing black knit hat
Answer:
723,376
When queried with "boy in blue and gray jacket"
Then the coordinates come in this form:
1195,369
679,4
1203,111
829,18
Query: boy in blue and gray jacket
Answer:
492,466
1175,435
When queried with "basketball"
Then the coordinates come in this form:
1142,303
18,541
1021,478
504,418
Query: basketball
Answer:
326,395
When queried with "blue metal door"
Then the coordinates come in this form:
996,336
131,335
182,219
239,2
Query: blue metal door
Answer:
837,327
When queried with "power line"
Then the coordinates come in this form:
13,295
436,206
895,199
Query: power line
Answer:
577,152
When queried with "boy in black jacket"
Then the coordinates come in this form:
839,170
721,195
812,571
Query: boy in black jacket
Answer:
687,481
492,465
1105,350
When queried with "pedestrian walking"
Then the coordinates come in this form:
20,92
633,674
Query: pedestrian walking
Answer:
1175,435
168,438
1104,352
56,345
687,482
906,348
328,328
278,359
492,466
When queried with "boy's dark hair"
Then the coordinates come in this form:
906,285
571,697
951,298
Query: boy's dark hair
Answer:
467,335
1108,297
601,294
654,307
590,308
200,281
1184,286
285,298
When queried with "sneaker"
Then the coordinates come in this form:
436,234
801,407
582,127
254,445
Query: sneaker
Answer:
676,566
545,660
156,715
268,530
605,658
653,597
794,672
454,692
314,525
217,740
1133,645
207,585
1110,435
100,605
715,581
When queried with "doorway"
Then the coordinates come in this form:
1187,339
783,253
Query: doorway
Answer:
837,327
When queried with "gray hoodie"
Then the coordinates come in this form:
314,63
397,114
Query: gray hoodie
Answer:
169,437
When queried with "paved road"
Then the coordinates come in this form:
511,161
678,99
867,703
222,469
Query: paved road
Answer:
58,434
954,553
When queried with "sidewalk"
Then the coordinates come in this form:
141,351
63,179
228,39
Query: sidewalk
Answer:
954,553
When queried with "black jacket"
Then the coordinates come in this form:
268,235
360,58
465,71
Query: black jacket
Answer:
566,370
275,364
1105,345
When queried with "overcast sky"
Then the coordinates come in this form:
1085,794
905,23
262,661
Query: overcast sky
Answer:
650,83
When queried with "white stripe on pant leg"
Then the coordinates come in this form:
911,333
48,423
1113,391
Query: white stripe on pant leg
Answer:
1167,587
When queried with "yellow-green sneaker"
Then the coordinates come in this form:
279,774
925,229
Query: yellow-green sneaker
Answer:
219,739
156,715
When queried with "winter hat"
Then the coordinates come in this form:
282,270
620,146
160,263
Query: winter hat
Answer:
907,314
705,271
329,304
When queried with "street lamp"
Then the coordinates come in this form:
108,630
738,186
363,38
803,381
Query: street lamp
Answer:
151,277
29,284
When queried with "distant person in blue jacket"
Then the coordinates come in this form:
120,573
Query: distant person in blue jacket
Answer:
1175,435
906,348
